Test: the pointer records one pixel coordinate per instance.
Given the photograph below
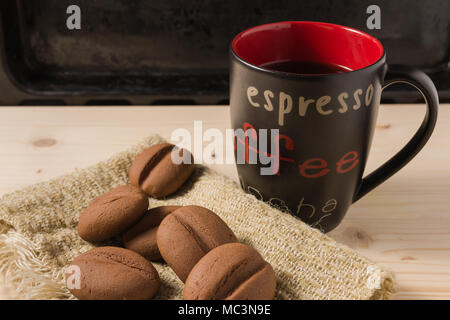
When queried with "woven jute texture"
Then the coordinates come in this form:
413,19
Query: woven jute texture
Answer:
38,236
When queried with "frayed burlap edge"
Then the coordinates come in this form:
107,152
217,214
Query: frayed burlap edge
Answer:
33,277
22,269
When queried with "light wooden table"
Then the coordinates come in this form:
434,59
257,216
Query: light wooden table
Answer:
404,223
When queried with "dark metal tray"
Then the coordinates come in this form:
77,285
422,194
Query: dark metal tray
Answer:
176,51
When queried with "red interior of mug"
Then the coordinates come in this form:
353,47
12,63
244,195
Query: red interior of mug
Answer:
308,42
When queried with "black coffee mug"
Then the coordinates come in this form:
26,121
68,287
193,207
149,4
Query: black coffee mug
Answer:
320,85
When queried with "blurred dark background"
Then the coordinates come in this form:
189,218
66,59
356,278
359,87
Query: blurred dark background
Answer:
167,52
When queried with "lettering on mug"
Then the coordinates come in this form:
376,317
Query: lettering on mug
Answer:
305,211
255,192
283,104
283,146
309,210
279,204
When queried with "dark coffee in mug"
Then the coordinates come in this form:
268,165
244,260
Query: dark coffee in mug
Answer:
304,67
316,87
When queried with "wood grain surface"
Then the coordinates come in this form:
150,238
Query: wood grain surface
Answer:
404,223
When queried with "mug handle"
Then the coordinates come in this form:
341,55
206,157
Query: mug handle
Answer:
420,81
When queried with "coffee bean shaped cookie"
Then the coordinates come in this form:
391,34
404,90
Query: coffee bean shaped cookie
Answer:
111,273
141,238
187,234
112,213
232,271
156,174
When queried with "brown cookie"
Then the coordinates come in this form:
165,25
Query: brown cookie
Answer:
111,273
187,234
112,213
232,271
156,174
141,238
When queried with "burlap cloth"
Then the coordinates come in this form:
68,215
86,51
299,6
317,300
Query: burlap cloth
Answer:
38,236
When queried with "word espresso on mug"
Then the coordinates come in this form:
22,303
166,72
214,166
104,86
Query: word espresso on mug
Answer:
284,102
